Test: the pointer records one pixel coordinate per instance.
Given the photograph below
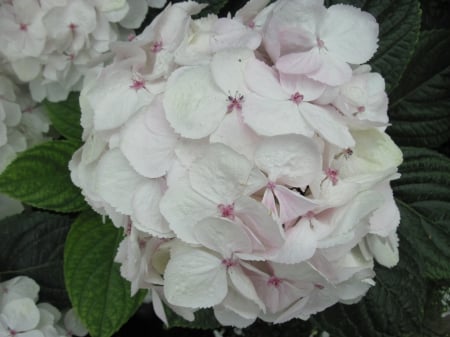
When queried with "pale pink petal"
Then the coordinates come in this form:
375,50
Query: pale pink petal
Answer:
151,153
292,203
264,81
289,159
244,285
308,88
271,117
220,175
332,71
193,103
349,34
146,214
194,278
183,208
229,34
117,181
327,126
268,200
234,133
300,63
227,68
222,235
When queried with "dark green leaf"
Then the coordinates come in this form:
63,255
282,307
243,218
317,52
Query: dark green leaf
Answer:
423,196
65,117
96,289
420,105
399,22
40,177
33,245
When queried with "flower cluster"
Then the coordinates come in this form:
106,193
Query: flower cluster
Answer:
245,158
21,315
50,44
22,124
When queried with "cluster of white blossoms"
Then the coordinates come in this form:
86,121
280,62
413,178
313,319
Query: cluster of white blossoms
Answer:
245,158
51,43
23,123
22,315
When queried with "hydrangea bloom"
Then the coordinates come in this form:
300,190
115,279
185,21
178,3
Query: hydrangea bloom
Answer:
246,159
22,315
50,44
22,124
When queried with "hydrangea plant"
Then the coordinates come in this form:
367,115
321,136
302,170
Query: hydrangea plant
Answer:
242,167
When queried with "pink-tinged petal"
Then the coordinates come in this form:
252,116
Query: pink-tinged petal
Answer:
332,71
256,181
308,88
183,208
194,278
289,159
227,68
349,34
250,10
228,317
264,81
271,117
244,286
268,200
146,214
300,63
327,126
222,235
258,220
229,34
193,103
150,153
234,133
220,175
387,217
300,244
292,204
117,181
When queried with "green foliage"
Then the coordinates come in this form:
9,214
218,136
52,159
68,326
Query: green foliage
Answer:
65,117
204,319
40,177
420,105
33,245
423,197
99,294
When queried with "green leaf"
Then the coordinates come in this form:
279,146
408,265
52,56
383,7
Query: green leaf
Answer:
204,319
33,246
423,197
420,105
65,117
399,22
214,6
99,294
387,310
40,177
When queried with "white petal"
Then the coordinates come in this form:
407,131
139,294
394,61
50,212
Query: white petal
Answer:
328,126
292,203
309,88
244,286
117,181
27,68
183,208
227,68
73,324
194,104
148,142
290,159
136,14
194,278
386,218
269,117
220,175
227,317
21,314
264,80
146,216
384,249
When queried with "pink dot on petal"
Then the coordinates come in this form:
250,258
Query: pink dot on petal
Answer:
72,26
297,97
333,175
274,281
23,27
226,211
156,47
228,263
137,84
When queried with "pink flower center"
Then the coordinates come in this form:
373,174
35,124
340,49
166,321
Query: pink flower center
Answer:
333,175
274,281
318,286
309,215
251,24
23,27
131,37
227,211
157,47
297,97
137,84
235,102
12,332
361,109
271,185
72,26
228,262
320,43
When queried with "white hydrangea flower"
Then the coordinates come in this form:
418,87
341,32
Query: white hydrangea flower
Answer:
244,181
